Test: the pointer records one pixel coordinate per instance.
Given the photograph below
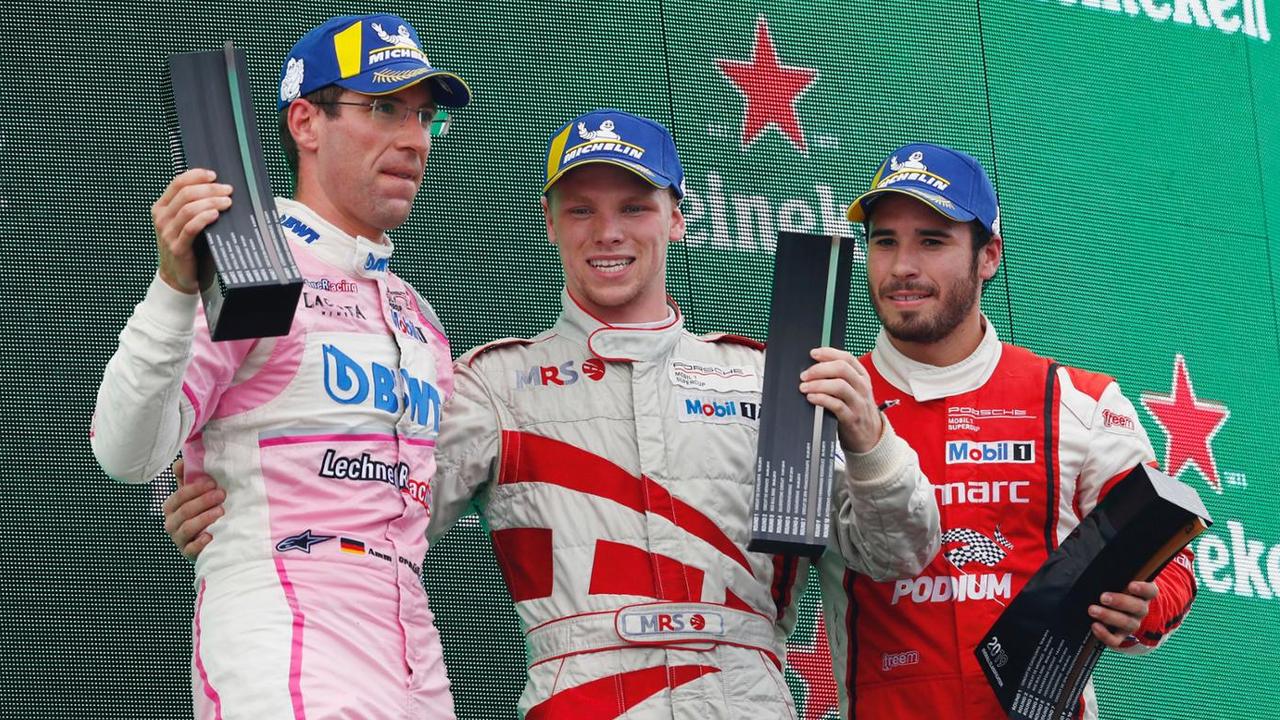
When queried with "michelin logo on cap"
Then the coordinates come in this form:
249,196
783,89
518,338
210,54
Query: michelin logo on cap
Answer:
604,133
361,53
617,138
912,169
400,39
952,182
604,139
401,46
914,162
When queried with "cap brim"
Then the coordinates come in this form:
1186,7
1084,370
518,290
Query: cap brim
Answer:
447,89
857,212
654,180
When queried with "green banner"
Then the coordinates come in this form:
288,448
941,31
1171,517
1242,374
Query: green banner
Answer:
1135,145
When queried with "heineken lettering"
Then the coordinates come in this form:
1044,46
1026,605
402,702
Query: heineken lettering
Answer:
1222,15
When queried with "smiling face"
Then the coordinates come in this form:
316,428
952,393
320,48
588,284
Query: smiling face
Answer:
925,279
357,172
612,229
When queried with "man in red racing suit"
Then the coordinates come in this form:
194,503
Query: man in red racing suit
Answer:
1017,447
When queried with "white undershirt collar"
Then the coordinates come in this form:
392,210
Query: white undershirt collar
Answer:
929,382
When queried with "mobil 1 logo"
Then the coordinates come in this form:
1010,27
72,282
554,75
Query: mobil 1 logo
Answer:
995,451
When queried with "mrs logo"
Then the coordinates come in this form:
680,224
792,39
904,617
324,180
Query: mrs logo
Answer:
593,368
566,373
649,624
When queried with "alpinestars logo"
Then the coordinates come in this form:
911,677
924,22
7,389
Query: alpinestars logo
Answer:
1189,424
302,541
770,90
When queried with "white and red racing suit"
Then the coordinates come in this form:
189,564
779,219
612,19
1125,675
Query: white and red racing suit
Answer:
1018,449
615,467
309,598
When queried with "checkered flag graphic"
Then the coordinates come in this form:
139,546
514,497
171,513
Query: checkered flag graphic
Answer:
975,547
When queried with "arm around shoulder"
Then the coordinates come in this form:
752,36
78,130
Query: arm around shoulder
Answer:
468,449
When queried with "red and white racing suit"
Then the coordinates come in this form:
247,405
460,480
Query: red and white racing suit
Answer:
309,598
615,467
1018,449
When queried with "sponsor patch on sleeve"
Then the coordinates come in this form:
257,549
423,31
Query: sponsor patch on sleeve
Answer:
1118,422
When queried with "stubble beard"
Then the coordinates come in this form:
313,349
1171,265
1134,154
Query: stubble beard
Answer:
924,328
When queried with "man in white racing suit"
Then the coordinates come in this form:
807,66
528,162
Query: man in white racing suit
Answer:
613,457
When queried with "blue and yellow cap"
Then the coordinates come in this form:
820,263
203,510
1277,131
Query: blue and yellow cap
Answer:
370,54
618,138
947,180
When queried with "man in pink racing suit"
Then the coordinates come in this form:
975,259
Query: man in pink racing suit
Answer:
310,602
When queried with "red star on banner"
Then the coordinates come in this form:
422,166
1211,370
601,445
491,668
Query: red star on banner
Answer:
1189,424
770,89
812,662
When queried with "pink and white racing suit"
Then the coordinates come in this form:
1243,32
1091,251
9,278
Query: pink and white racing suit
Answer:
309,598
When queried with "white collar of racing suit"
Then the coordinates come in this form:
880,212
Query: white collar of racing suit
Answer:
929,382
359,255
625,343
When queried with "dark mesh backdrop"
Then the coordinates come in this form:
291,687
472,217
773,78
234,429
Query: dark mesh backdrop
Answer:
1134,144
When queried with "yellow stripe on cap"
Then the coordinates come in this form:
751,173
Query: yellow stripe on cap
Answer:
875,181
556,151
346,46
